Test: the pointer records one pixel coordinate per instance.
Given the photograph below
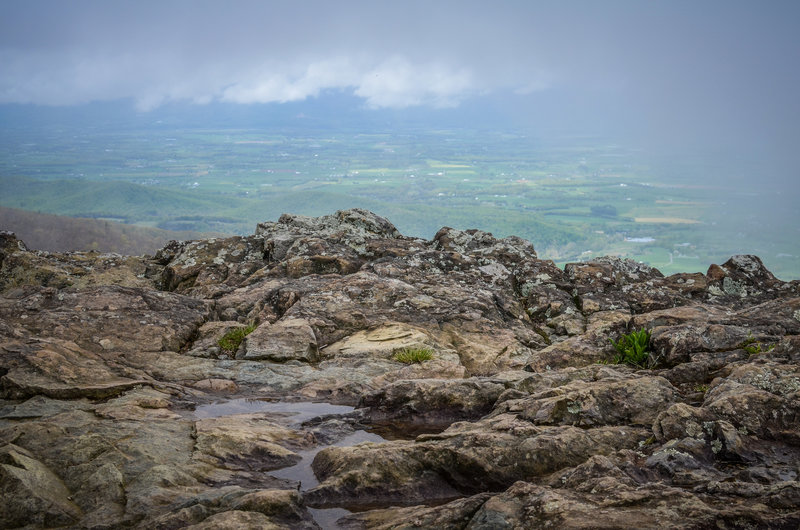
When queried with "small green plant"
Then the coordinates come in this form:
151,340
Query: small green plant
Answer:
701,388
757,347
413,355
754,347
633,349
231,340
749,340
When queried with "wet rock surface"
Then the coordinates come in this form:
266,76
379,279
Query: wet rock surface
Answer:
122,407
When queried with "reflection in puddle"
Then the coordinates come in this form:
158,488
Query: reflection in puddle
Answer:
326,517
298,411
302,472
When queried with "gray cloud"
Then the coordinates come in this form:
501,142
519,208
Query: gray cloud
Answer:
664,69
392,54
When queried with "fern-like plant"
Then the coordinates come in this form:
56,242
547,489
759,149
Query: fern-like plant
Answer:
633,349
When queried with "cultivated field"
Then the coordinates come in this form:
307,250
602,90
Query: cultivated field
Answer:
574,198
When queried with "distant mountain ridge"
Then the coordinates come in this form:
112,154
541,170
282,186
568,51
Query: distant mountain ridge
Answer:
57,233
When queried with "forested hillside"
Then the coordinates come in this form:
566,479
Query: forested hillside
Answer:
56,233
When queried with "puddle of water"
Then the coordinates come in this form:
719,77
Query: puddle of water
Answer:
326,517
301,411
298,411
302,472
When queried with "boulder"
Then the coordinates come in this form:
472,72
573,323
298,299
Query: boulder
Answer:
289,339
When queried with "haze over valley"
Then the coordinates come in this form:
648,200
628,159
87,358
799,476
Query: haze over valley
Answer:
662,132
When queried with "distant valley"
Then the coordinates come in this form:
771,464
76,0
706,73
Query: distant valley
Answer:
574,198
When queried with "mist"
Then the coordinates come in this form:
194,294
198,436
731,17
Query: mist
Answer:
705,90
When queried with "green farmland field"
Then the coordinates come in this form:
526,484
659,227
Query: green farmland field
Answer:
574,198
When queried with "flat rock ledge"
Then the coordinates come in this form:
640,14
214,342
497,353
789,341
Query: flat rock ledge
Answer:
514,416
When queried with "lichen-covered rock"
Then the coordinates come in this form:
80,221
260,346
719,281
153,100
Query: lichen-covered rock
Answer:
603,284
634,400
509,251
741,276
517,421
192,265
347,233
107,318
432,400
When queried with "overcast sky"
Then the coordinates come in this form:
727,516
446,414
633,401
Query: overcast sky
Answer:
693,69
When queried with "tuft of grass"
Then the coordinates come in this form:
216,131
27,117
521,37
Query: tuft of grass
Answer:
413,355
231,340
701,388
633,349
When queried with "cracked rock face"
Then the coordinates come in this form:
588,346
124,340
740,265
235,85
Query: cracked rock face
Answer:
518,421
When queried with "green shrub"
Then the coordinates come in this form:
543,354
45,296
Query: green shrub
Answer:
413,355
231,340
633,349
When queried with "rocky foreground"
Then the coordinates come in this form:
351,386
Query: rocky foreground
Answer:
518,421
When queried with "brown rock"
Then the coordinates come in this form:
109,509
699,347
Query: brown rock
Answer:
128,318
449,516
236,520
59,369
633,401
289,339
112,372
467,457
246,441
432,400
32,493
217,385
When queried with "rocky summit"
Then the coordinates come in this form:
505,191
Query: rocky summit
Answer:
331,372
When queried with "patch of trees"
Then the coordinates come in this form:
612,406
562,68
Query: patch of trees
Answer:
604,210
